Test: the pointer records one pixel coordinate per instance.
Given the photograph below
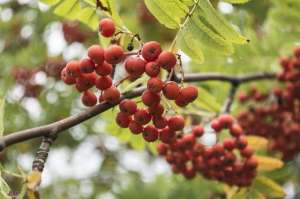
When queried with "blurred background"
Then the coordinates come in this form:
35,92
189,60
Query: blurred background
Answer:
96,159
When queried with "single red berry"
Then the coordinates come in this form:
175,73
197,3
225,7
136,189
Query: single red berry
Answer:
176,122
135,127
218,150
198,130
284,62
114,54
160,122
103,82
241,142
166,135
111,95
73,69
181,101
162,149
166,60
89,98
66,78
152,69
123,119
251,163
107,27
104,69
297,51
189,173
150,99
215,125
156,110
189,93
85,81
150,133
151,50
236,130
226,120
171,90
128,106
96,53
135,66
155,85
142,116
87,66
229,144
189,140
247,152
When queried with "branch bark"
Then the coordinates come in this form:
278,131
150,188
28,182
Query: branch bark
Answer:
64,124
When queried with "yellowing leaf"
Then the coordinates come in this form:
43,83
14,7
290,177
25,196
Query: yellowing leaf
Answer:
237,1
269,187
257,143
34,180
268,164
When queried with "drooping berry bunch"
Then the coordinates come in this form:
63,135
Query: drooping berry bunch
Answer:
230,161
280,120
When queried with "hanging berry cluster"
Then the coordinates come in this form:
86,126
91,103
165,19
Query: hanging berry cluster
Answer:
280,121
230,161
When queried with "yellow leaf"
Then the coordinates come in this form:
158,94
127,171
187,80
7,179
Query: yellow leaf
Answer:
34,180
268,164
257,143
269,187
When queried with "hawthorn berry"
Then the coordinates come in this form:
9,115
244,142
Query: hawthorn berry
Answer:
107,27
73,69
111,95
160,122
135,127
229,144
86,65
176,122
198,130
150,99
142,116
114,54
241,142
251,163
188,140
128,106
226,120
152,69
189,93
215,125
236,130
66,78
171,90
162,149
297,51
156,110
135,66
103,82
155,85
150,133
167,60
247,152
85,81
89,98
166,135
151,50
123,119
181,101
104,69
96,53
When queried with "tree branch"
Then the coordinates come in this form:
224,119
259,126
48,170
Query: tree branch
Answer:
64,124
230,98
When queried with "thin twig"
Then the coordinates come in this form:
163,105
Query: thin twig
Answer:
230,98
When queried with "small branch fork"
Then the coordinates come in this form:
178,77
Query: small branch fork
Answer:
64,124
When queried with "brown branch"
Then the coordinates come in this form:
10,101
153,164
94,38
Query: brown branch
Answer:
230,98
64,124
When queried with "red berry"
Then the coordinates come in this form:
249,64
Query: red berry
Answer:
142,116
284,62
128,106
104,69
189,140
229,144
176,122
297,51
151,50
123,119
189,173
236,130
96,53
73,69
89,98
247,152
135,127
166,60
166,135
251,163
111,95
135,66
85,81
181,101
107,27
198,130
162,149
155,85
171,90
114,54
189,93
160,122
241,142
226,120
150,99
156,110
66,78
103,82
150,133
87,65
215,125
152,69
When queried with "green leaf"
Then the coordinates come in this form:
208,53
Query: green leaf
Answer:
237,1
207,101
248,194
50,2
168,12
2,105
269,187
112,5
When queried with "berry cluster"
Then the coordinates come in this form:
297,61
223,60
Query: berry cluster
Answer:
73,32
230,161
279,121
